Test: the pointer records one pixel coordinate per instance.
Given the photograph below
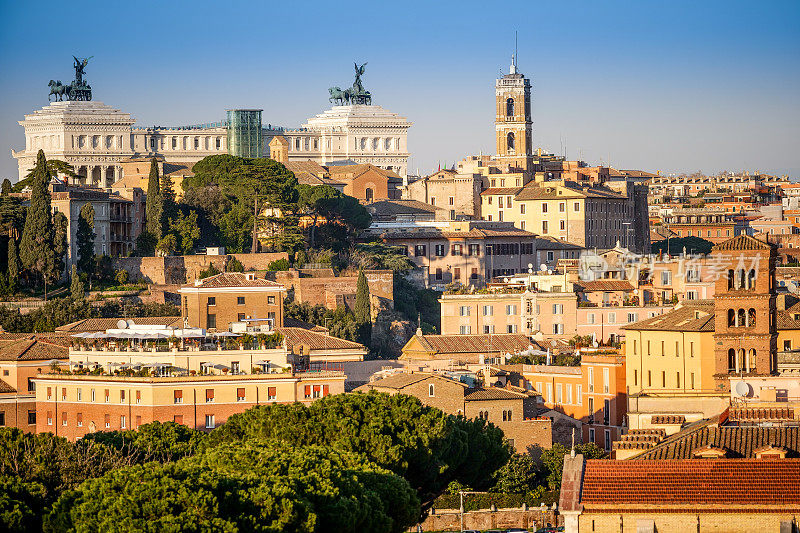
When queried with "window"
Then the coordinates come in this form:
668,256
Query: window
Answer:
93,397
591,434
474,250
559,393
440,252
590,318
663,379
591,379
107,421
612,318
550,392
558,309
456,274
606,412
544,207
451,201
787,345
632,317
211,321
178,419
666,277
488,310
635,377
271,393
465,330
474,274
438,274
510,142
138,396
487,329
608,440
456,250
212,300
511,310
307,391
122,422
558,329
576,207
464,310
178,396
31,385
240,300
316,391
240,317
419,250
511,328
550,256
568,398
106,396
31,418
521,209
692,379
562,225
606,382
649,379
209,395
509,107
271,300
210,422
430,390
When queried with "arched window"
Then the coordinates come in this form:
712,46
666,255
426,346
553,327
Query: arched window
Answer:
751,318
740,279
504,416
751,279
731,318
731,360
509,415
510,142
751,360
740,362
740,318
509,107
369,194
430,390
730,280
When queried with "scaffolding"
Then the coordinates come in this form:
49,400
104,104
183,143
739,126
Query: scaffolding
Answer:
245,132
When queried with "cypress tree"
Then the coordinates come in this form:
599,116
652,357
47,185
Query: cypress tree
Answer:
154,205
76,288
60,229
6,188
36,245
14,266
85,237
362,310
168,206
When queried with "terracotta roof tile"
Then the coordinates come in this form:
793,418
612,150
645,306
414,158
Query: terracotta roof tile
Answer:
508,342
493,393
102,324
691,482
697,316
234,279
317,341
741,441
34,348
743,242
606,285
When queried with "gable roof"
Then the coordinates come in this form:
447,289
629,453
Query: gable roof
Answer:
606,285
232,279
739,441
316,341
743,242
102,324
34,347
493,393
402,380
697,316
472,344
691,482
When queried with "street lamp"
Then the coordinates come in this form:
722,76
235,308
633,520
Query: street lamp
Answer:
461,493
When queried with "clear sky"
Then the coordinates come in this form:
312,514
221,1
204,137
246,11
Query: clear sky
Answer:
670,86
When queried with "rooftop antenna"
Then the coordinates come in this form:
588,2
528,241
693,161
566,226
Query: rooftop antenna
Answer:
572,451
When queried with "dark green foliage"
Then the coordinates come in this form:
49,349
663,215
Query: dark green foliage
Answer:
363,309
553,461
20,504
476,502
167,245
154,205
234,265
185,230
425,446
63,311
76,288
12,216
340,212
210,271
85,237
341,322
157,441
517,476
278,265
54,168
36,247
693,245
559,359
60,230
14,266
6,188
412,302
169,207
243,488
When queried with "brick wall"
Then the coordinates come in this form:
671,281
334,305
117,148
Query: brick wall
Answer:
186,268
450,520
728,521
330,290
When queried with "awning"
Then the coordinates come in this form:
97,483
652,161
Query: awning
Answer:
226,334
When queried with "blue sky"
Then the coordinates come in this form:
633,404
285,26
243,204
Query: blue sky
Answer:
670,86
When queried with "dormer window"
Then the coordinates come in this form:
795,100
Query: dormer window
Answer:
770,452
709,452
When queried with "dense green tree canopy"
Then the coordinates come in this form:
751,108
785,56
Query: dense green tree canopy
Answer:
36,247
693,245
399,433
85,236
157,441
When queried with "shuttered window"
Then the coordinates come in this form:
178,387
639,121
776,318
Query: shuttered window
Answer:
209,395
272,393
307,391
178,396
325,390
240,394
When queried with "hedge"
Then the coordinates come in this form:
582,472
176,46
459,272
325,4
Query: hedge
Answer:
474,502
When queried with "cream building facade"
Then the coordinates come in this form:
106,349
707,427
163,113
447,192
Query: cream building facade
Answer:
360,133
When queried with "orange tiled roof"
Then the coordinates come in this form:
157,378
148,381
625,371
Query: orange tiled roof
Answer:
317,341
234,279
507,342
606,285
493,393
34,348
743,242
691,482
102,324
741,441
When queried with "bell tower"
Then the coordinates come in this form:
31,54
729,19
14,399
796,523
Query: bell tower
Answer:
513,124
745,322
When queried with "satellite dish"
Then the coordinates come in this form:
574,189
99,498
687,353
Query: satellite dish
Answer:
742,389
530,265
121,324
542,267
131,323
